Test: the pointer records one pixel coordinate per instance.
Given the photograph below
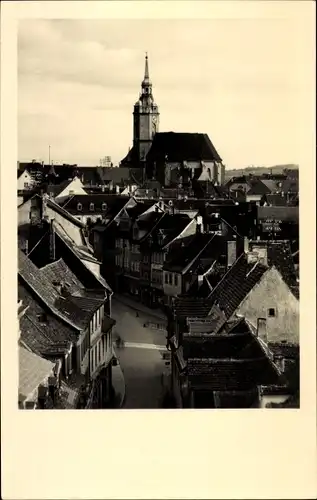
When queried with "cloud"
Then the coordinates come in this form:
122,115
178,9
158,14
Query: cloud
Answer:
83,77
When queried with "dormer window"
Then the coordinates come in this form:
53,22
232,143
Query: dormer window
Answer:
104,206
79,207
91,207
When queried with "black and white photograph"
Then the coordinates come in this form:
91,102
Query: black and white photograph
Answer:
158,214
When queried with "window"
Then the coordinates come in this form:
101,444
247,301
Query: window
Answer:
170,278
26,184
104,206
271,312
79,206
91,206
166,278
175,280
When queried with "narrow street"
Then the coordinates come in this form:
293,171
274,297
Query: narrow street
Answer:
141,359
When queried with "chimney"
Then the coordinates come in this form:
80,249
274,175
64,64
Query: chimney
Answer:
52,242
199,226
246,244
252,257
231,253
261,331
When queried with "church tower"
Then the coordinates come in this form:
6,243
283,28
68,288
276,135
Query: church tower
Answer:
145,118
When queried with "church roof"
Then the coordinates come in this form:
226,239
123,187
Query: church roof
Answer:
179,146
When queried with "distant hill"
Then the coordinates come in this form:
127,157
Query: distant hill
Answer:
276,169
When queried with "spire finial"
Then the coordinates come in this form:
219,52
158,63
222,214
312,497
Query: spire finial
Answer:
146,72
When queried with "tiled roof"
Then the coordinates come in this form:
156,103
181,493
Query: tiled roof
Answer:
72,308
93,280
118,175
284,349
290,185
270,184
181,147
236,284
89,175
48,337
139,208
231,374
195,253
108,205
144,193
222,346
89,304
190,307
33,370
257,187
39,283
65,213
200,326
56,189
279,254
170,226
199,289
47,293
58,271
276,200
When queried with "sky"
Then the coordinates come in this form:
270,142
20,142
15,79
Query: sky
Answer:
238,80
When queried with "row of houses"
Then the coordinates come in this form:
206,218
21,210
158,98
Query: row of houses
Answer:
280,190
211,265
64,310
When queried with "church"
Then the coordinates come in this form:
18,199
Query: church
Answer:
172,158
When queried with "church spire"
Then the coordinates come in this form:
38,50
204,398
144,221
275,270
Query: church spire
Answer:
146,72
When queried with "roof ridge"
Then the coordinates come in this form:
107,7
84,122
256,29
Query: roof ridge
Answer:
53,205
225,275
51,264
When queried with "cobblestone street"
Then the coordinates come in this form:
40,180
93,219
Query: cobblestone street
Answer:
141,359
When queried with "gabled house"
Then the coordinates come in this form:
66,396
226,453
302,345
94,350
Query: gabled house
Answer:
250,289
224,370
274,200
37,209
249,188
107,238
69,187
154,246
90,208
260,294
25,180
134,226
199,260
